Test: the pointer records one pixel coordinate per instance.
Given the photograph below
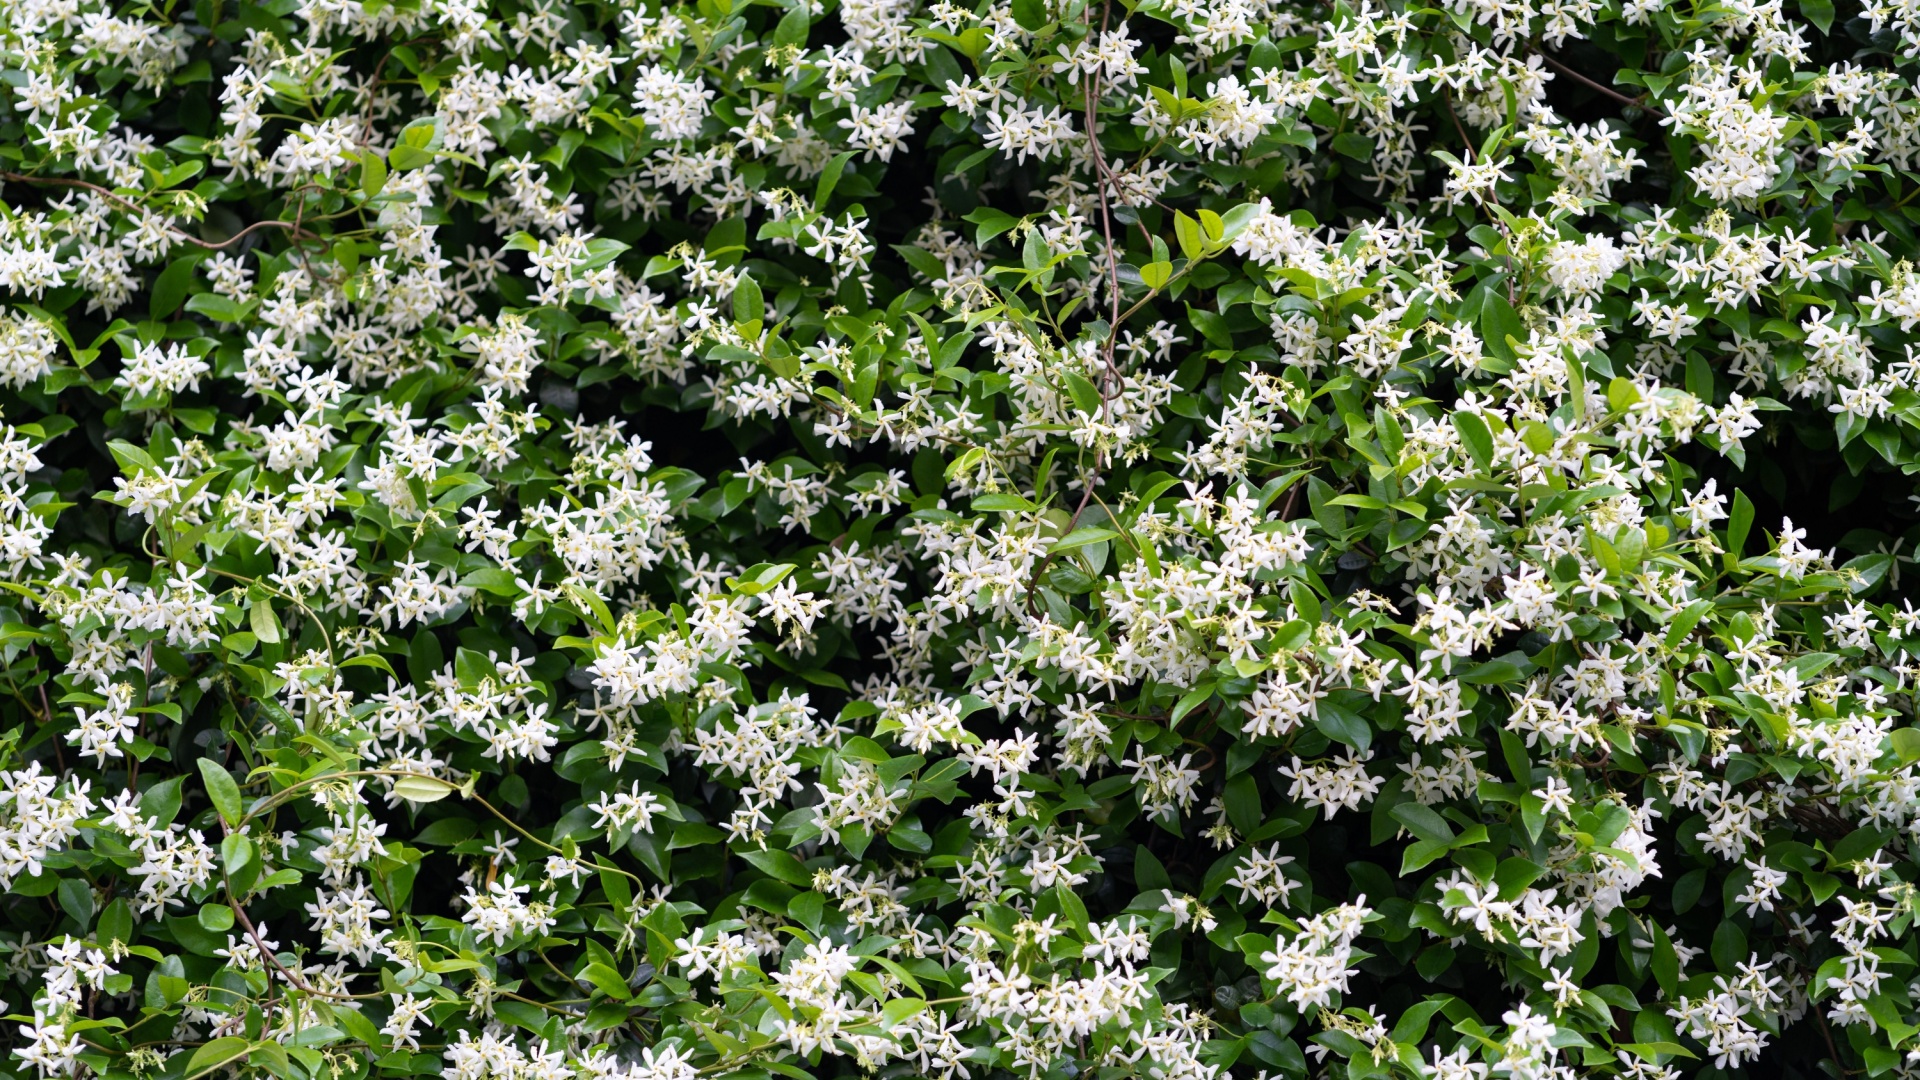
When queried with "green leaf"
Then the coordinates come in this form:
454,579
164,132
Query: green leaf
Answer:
216,1054
1211,224
171,287
1149,873
372,660
989,223
1212,326
607,981
748,306
76,899
830,179
236,853
1650,1051
1729,946
592,605
1086,397
472,667
219,308
373,173
1423,822
1343,727
491,579
1030,14
1242,799
781,865
222,789
265,626
1420,854
215,918
1498,322
1081,537
899,1009
159,803
1190,701
1515,874
1193,243
1906,743
422,789
1739,523
115,923
1354,145
1475,437
1003,502
1665,962
793,26
416,145
131,459
1819,13
1683,623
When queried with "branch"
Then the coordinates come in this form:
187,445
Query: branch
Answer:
267,954
61,181
1607,90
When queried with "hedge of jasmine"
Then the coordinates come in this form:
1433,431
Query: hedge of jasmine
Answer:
735,540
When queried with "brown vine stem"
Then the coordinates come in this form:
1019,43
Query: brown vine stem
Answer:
261,947
1607,90
1465,142
1832,1050
1109,374
1101,182
108,194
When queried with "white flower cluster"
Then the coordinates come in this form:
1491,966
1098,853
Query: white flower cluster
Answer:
38,823
675,540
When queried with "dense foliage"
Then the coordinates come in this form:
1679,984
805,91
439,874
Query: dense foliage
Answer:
633,542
